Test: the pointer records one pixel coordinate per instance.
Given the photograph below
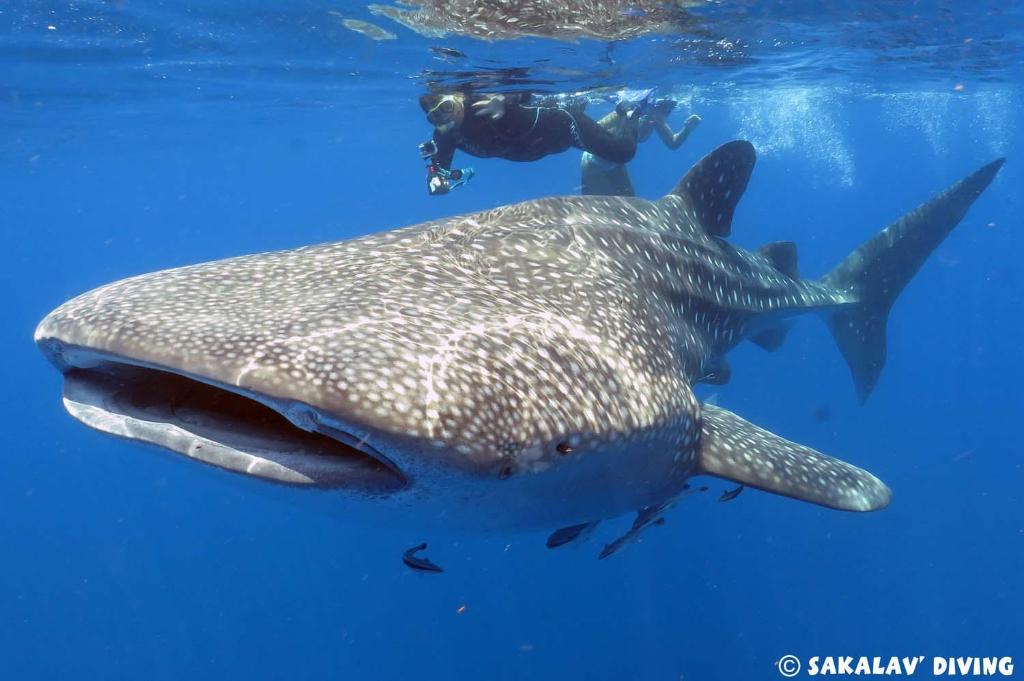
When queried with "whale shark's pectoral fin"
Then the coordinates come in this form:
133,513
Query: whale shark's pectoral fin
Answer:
567,535
737,450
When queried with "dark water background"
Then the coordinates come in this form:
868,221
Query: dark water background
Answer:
139,136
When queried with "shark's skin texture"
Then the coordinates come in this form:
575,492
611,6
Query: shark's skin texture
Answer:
529,366
559,19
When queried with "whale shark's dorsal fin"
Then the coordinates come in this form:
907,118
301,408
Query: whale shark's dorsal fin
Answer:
737,450
715,184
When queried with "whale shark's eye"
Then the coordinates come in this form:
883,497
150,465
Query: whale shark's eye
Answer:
563,448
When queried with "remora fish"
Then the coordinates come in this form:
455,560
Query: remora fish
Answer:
524,367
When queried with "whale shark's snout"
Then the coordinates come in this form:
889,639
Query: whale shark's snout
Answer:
177,359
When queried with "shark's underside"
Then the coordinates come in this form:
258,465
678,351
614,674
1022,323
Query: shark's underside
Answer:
527,366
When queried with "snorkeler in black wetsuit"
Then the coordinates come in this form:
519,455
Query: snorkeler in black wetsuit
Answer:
517,127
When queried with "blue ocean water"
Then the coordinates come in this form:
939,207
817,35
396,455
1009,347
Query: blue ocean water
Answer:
144,135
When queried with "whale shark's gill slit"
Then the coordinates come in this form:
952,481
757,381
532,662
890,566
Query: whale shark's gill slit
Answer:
220,427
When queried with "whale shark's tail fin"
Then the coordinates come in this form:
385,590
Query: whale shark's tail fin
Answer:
876,272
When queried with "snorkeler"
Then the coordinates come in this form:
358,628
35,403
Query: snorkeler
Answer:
602,176
517,127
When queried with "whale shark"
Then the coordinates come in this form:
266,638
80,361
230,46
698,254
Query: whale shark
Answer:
521,368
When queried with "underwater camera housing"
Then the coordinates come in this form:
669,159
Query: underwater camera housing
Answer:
441,180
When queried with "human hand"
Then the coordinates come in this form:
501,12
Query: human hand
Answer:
692,122
492,105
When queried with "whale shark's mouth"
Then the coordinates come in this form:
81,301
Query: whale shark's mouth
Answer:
221,426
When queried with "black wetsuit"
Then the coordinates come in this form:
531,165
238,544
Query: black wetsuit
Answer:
529,131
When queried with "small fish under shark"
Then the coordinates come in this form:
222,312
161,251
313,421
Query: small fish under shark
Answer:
526,367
